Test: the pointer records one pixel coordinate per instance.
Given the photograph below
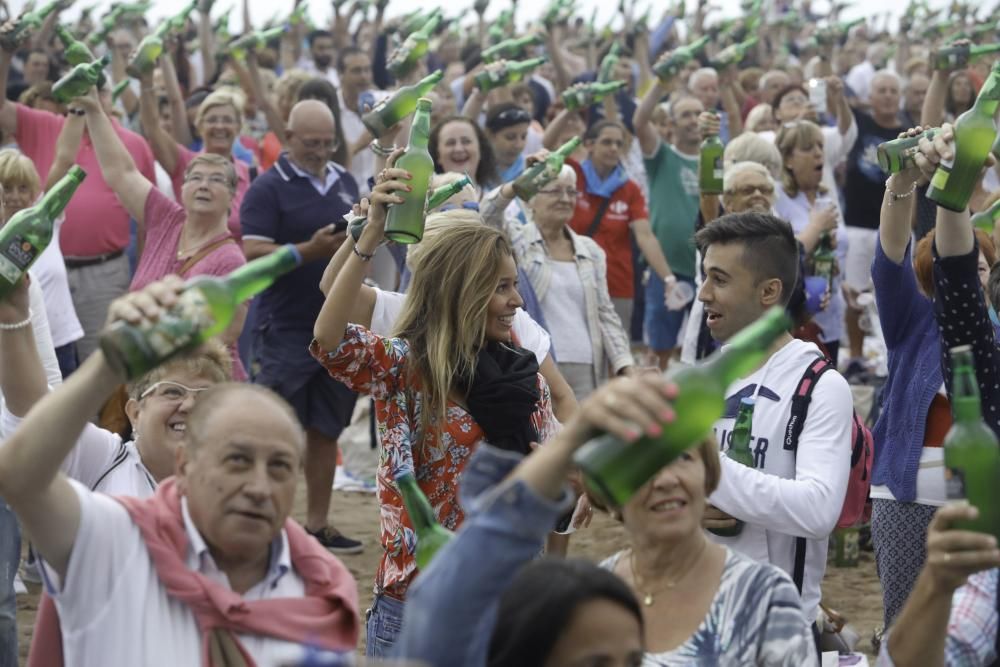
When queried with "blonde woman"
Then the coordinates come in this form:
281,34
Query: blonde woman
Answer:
804,202
21,188
448,380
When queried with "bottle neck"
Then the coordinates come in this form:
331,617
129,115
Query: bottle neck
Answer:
417,506
984,49
420,131
57,198
967,409
256,276
989,96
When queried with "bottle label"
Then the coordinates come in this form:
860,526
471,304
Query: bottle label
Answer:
16,257
941,175
717,168
178,328
954,483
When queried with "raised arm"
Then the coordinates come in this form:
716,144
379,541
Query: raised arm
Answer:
67,145
163,145
8,109
117,165
118,64
649,139
954,233
181,130
264,102
206,40
730,100
550,139
932,113
897,210
556,55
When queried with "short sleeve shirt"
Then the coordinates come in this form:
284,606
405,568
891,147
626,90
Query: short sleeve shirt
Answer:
865,185
614,233
673,202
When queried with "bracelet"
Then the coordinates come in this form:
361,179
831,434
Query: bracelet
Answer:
77,112
895,196
380,150
295,253
364,257
17,325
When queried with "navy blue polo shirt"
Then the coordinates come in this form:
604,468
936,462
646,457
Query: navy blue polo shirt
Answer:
282,207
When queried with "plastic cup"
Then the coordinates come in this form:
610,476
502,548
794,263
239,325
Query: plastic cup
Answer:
680,295
816,287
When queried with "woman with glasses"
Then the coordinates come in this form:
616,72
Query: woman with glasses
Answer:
813,212
189,238
568,273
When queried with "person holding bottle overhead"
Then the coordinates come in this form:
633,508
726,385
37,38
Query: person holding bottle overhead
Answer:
790,500
191,238
950,616
444,384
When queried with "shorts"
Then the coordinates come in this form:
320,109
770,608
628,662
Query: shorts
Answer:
322,403
661,326
861,243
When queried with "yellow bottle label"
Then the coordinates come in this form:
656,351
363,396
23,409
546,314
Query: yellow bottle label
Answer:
940,179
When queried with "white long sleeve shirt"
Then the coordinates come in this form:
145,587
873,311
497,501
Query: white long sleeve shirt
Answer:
788,494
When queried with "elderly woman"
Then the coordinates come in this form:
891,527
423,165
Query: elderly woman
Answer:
187,240
568,273
701,603
812,210
21,188
218,122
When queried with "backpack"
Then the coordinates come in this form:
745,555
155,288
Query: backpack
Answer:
856,509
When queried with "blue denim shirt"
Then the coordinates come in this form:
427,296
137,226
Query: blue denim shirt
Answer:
451,607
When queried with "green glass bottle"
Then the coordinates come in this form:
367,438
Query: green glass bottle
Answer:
204,309
79,80
25,25
614,470
29,231
144,57
971,450
119,88
254,40
399,105
824,260
439,196
511,72
299,14
608,64
540,174
109,23
832,34
710,165
732,54
74,51
957,56
405,222
897,155
431,535
511,48
739,451
412,22
583,95
480,6
954,180
408,55
987,220
178,22
670,66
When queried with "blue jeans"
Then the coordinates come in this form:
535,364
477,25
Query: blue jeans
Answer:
384,623
10,557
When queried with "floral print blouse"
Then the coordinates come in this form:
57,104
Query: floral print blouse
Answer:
376,365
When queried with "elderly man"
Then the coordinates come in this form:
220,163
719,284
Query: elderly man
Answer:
96,232
717,94
207,571
297,202
769,85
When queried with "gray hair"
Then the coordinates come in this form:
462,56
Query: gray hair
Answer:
704,71
750,147
735,169
770,74
885,73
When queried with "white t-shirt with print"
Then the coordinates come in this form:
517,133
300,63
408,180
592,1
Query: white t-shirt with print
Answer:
788,494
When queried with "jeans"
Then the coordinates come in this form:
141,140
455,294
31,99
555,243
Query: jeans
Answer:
68,361
10,556
384,623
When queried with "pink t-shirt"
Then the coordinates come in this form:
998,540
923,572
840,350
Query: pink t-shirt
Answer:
164,222
96,222
184,157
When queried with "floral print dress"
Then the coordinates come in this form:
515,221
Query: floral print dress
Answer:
376,365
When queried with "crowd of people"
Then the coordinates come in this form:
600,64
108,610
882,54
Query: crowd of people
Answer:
155,511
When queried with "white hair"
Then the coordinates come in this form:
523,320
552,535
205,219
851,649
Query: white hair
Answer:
698,73
885,73
751,147
735,169
771,74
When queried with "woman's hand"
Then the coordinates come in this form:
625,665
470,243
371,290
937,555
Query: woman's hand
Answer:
388,183
933,151
626,407
15,307
953,555
539,156
148,304
823,219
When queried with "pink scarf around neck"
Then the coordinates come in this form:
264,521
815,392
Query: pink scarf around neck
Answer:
327,617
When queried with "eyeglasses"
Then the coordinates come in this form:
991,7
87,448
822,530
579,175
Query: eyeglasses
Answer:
747,190
173,392
558,192
468,205
219,120
214,179
315,144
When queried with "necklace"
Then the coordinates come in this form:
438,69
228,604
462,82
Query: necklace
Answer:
181,254
648,596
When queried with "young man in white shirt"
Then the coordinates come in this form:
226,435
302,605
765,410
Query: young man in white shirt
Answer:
751,263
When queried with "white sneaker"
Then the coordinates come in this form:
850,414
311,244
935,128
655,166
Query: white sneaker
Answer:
29,571
19,587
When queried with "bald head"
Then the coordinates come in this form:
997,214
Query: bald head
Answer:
228,408
312,136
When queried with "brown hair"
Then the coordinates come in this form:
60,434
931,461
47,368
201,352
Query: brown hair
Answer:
803,135
923,260
41,91
215,161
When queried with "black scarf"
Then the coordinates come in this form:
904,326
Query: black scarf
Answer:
503,394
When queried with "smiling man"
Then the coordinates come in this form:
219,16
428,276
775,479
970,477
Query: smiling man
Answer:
209,569
790,500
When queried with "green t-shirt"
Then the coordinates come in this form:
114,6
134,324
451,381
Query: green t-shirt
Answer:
673,205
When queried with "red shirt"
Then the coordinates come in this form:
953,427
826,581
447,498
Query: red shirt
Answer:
614,234
96,222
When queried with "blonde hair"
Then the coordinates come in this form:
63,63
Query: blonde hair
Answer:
759,115
435,224
220,98
455,275
211,361
16,168
803,135
288,84
750,147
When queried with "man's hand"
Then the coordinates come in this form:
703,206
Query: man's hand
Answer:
716,519
709,123
325,241
148,304
953,555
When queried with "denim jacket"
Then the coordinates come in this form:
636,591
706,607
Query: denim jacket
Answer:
609,340
451,608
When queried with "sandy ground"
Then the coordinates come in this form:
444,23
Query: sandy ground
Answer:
854,592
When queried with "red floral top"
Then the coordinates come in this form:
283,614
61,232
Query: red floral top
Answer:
376,365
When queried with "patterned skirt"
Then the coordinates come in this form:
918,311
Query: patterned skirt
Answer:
899,535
